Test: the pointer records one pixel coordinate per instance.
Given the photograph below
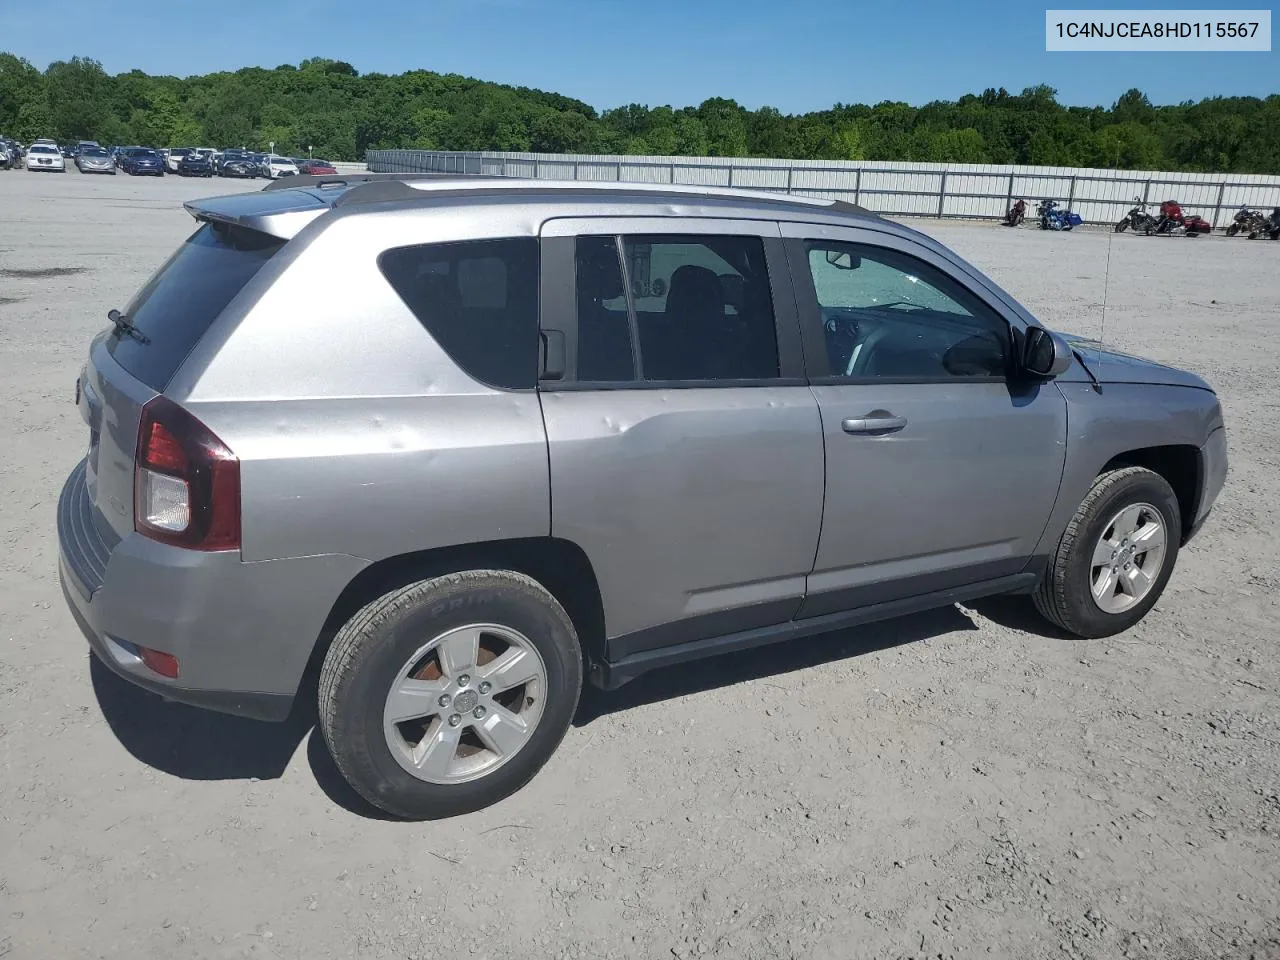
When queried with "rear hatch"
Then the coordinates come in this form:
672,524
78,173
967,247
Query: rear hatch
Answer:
133,362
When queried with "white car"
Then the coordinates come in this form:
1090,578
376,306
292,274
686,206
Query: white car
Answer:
43,156
274,167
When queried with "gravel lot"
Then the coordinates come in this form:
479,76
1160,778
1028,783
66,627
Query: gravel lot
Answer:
952,785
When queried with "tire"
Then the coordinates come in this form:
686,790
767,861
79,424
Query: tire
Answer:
1065,596
383,644
1123,225
1233,229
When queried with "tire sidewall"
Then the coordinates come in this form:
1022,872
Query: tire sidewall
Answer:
1141,488
363,690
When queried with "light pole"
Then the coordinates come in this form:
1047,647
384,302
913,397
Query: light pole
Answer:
308,151
271,145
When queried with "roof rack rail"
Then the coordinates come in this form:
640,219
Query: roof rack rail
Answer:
391,187
349,179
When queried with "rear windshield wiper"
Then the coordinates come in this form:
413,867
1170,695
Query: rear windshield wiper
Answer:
124,328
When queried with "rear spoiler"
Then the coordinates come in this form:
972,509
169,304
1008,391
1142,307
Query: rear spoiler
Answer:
281,216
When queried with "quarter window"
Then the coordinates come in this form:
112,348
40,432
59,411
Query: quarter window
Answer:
478,299
701,309
888,315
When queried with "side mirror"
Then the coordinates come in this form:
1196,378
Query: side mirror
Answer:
843,260
1045,354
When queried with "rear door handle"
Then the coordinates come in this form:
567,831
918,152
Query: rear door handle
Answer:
873,424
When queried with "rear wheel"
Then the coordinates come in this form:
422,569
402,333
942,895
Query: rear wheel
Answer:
1115,557
450,694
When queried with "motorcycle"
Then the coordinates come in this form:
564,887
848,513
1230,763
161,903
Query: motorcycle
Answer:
1052,218
1246,221
1137,218
1269,229
1173,222
1017,213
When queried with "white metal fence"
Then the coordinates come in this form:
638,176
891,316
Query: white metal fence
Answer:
970,191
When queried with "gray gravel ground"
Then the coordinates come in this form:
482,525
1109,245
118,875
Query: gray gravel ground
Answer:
959,784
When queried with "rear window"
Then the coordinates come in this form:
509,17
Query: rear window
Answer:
479,300
182,299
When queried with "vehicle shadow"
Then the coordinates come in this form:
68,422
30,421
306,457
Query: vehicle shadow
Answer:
773,660
1018,613
193,743
196,744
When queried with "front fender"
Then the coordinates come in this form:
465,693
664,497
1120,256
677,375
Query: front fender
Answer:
1123,419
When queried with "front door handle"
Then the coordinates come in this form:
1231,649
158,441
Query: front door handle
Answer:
873,424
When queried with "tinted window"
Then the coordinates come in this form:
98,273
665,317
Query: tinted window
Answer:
888,315
479,300
703,309
184,297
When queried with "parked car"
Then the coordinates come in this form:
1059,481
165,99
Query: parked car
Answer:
195,164
45,156
143,162
121,152
316,167
95,160
476,478
274,167
173,156
238,165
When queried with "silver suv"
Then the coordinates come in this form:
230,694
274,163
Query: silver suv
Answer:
460,443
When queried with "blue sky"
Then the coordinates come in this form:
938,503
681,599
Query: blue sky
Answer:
797,55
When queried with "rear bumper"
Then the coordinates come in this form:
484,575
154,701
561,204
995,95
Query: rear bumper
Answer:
242,632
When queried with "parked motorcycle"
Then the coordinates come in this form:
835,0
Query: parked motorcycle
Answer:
1137,218
1016,214
1246,221
1052,218
1270,228
1173,222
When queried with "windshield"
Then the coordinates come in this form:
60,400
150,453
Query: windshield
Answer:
41,148
94,152
180,303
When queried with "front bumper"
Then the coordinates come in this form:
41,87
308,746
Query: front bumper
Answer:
242,632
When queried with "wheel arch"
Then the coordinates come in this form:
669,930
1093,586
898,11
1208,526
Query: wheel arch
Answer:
559,565
1181,466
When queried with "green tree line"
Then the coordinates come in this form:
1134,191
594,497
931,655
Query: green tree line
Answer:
340,113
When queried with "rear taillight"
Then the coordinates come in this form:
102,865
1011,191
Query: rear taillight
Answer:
186,483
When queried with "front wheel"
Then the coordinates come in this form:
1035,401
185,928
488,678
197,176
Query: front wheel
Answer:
1123,225
1233,229
450,694
1116,555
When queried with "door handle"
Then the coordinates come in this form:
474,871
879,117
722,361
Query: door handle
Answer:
873,424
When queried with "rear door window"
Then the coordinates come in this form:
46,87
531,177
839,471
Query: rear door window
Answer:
180,302
479,300
701,310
